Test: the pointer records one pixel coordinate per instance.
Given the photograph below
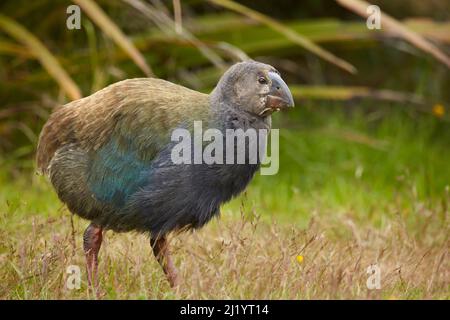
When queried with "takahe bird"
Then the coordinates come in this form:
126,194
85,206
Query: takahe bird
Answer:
108,155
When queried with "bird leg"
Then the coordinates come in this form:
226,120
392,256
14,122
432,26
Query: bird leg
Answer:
92,240
162,254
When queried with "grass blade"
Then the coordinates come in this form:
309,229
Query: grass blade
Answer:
177,16
46,58
166,25
14,49
287,32
360,8
100,18
342,93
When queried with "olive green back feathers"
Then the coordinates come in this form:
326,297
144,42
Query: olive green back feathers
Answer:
143,110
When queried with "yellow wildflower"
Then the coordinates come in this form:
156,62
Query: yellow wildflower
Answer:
438,110
299,259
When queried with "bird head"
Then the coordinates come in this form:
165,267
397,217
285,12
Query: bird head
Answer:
254,87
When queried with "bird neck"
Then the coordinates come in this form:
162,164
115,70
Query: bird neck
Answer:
228,115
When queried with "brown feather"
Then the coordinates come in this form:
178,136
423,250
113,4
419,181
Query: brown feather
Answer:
144,105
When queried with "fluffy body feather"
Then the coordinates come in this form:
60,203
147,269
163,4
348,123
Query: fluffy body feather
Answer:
108,155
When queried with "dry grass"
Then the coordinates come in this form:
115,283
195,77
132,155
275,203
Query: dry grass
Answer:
237,257
347,196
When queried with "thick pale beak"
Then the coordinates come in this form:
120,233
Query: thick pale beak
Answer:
280,97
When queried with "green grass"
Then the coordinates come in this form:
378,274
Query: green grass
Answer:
358,161
354,188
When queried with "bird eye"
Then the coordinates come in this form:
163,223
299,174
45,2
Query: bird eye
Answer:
262,80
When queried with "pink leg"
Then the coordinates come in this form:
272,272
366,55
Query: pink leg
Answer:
92,240
162,254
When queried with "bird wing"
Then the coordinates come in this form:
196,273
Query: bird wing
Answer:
118,131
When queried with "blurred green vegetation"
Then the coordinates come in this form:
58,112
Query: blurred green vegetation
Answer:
373,162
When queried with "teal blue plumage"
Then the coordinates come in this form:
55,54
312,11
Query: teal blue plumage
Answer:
115,175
